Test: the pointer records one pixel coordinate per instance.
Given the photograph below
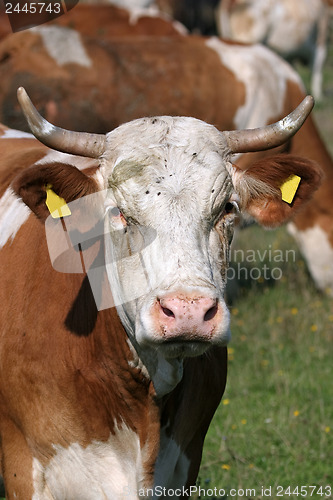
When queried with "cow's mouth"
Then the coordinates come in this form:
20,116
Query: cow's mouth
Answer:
180,348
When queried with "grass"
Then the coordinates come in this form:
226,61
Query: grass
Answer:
275,424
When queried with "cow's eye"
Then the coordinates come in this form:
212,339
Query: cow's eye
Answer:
231,207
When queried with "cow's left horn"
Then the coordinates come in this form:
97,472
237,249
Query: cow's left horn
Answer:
67,141
271,136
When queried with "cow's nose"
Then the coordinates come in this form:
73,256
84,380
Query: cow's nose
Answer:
192,317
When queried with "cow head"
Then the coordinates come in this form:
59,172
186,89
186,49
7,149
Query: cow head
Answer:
170,181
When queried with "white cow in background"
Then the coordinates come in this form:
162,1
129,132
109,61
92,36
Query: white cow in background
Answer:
292,28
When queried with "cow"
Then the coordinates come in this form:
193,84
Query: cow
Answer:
96,86
115,402
107,21
294,29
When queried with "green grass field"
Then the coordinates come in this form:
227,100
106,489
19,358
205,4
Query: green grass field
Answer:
275,424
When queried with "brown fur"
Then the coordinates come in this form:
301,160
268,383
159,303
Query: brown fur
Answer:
104,22
66,180
132,77
274,172
64,374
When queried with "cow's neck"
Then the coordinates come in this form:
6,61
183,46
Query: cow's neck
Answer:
164,373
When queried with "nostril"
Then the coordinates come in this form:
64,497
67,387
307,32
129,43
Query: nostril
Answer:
211,313
168,312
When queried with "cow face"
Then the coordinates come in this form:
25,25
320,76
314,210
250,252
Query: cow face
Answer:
167,178
171,200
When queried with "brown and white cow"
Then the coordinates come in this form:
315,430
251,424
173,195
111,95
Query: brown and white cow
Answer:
107,21
295,29
107,403
94,86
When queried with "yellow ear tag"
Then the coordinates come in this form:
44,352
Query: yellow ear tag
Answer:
56,205
289,188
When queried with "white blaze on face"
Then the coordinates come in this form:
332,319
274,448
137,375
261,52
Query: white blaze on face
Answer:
64,45
252,65
169,178
318,253
110,470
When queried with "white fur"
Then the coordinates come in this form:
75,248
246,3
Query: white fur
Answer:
289,27
79,162
100,471
132,4
136,13
16,134
183,164
13,214
284,25
64,45
318,253
252,65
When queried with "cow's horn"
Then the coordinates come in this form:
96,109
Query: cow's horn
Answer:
67,141
271,136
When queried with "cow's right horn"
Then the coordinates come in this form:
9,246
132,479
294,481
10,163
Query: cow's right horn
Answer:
67,141
270,136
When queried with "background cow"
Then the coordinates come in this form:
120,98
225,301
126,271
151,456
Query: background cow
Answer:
295,29
83,412
106,21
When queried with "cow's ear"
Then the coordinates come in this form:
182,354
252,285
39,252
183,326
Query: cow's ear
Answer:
274,188
66,182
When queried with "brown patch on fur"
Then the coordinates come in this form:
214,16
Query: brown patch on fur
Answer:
13,161
67,182
272,211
